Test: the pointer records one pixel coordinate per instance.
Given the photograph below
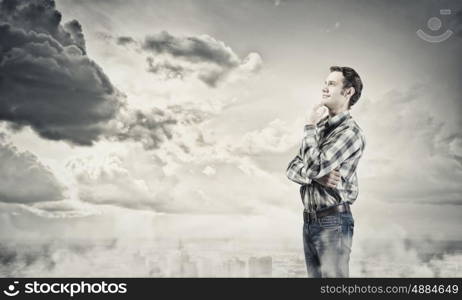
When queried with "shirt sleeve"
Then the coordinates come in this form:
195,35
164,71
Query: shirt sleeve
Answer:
295,167
294,171
317,159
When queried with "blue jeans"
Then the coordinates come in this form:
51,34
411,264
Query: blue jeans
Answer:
327,244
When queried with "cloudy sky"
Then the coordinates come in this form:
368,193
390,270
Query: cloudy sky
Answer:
177,119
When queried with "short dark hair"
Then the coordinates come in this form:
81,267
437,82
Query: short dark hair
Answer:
351,79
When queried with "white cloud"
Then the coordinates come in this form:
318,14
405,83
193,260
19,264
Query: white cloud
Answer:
107,181
24,179
209,171
277,137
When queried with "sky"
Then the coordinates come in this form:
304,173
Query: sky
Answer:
177,119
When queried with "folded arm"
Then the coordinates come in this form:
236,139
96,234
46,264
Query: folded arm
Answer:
316,159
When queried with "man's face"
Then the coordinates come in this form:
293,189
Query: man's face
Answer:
332,93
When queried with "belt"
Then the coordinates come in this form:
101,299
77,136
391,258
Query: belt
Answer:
342,207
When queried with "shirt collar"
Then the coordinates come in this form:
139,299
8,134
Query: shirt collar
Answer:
338,118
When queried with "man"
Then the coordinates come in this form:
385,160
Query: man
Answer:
325,167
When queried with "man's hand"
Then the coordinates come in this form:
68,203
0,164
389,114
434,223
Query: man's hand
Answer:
318,112
330,180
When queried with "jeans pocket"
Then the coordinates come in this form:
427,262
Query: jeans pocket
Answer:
329,221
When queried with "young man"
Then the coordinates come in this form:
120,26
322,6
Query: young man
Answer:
325,167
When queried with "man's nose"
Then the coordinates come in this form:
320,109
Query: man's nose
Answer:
324,89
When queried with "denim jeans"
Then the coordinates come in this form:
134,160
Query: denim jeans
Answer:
327,244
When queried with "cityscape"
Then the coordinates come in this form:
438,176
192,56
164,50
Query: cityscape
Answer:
180,263
217,258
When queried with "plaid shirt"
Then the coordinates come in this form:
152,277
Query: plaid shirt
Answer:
333,143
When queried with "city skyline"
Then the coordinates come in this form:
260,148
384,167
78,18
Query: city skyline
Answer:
185,258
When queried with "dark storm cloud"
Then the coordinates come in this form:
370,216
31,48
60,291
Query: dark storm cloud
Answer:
41,16
166,68
24,179
46,80
193,49
75,30
150,129
155,127
124,40
211,60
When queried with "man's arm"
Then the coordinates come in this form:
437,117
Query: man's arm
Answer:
296,165
294,171
316,160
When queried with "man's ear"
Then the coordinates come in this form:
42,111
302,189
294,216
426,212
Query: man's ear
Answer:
350,92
